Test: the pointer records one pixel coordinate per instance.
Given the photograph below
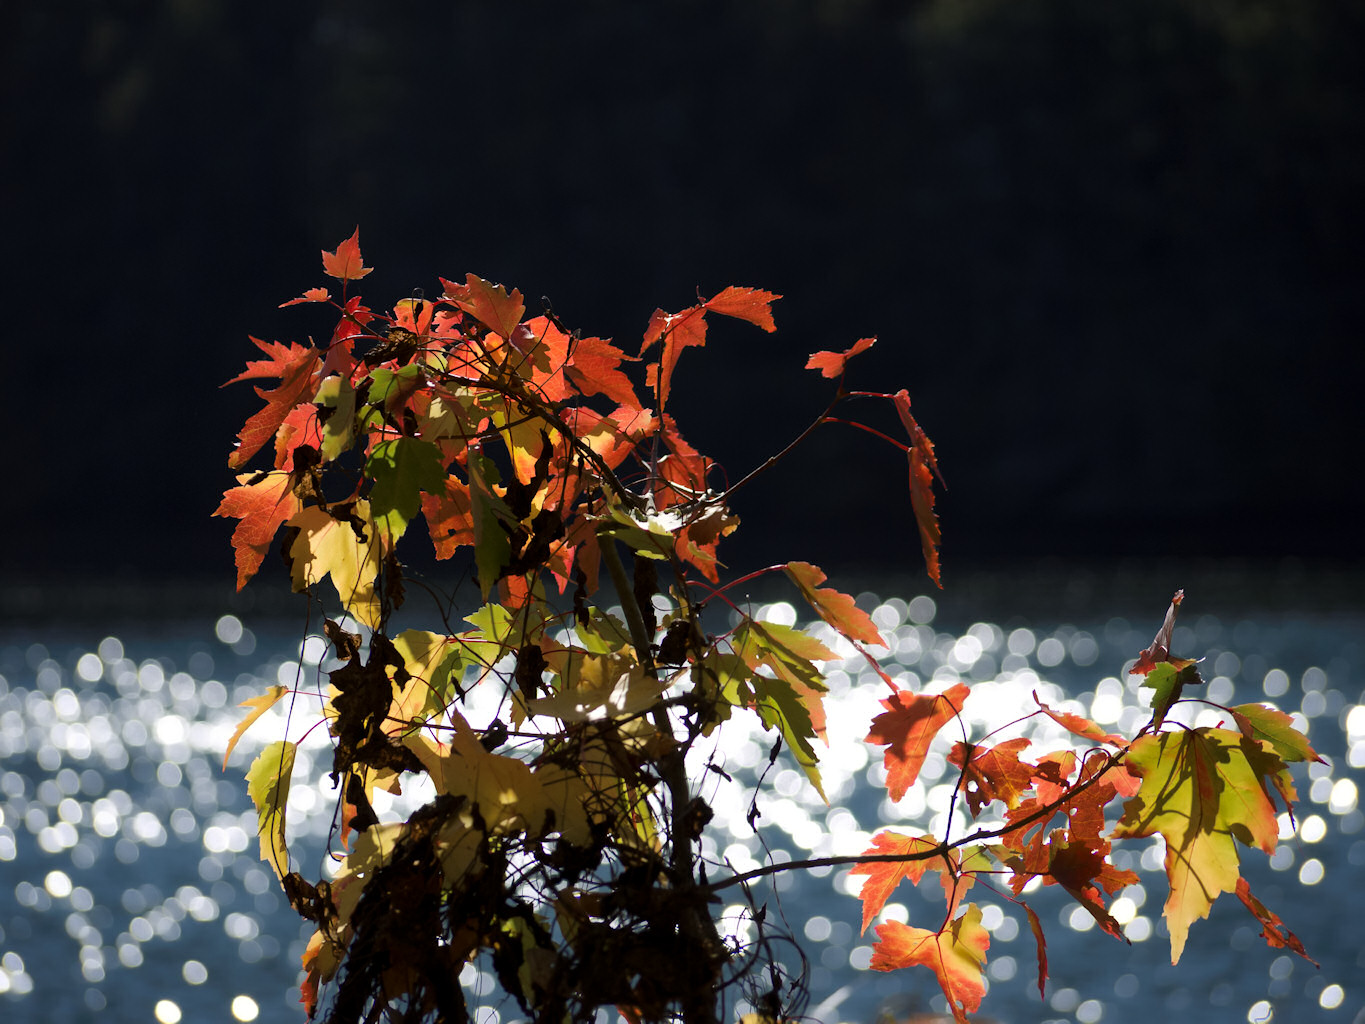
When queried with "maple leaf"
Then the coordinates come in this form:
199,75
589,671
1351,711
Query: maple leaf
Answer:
792,700
687,329
1166,681
956,955
294,364
832,364
1079,725
751,304
267,783
1036,926
347,550
1076,865
1198,786
488,303
262,503
923,469
336,398
259,706
402,470
839,610
434,664
502,790
450,517
922,501
311,295
492,521
1276,935
678,331
909,724
993,773
883,876
345,264
595,367
1276,729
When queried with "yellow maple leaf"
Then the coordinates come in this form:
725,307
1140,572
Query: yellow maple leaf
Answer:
1198,785
326,546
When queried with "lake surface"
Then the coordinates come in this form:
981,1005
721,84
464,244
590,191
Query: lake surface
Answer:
130,888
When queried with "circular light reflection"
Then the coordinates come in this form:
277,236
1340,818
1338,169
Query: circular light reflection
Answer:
167,1012
1331,997
244,1008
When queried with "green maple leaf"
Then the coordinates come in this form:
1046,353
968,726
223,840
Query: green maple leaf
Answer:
338,426
267,781
492,548
402,469
791,697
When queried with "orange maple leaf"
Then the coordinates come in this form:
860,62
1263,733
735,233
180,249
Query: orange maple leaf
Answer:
311,295
262,503
885,875
345,264
993,773
751,304
832,364
837,609
956,955
909,725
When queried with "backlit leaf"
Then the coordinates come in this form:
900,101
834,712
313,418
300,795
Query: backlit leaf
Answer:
595,368
1276,935
884,876
793,699
909,725
993,773
267,783
262,502
488,303
839,610
311,295
402,470
1275,729
346,550
957,956
345,264
259,706
832,364
296,367
751,304
337,397
1197,785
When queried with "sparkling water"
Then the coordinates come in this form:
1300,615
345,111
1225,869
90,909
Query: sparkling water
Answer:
131,889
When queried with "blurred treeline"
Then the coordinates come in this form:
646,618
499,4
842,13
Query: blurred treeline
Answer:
1112,248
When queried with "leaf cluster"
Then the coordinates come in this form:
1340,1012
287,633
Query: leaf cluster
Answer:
563,837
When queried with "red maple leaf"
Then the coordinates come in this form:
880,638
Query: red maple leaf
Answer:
345,264
1273,930
831,364
909,725
294,364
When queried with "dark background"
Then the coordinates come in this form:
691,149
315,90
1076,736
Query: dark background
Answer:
1112,249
